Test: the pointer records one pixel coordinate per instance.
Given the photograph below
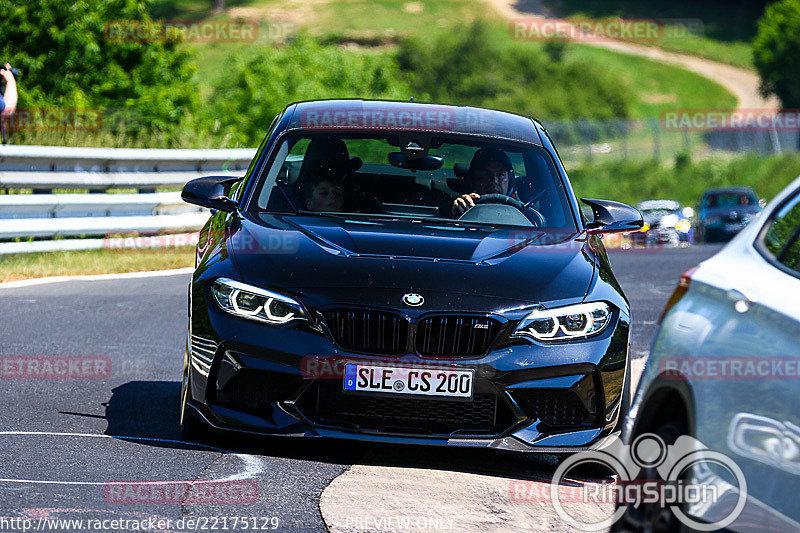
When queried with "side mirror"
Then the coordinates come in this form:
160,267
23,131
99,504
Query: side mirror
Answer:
612,217
211,192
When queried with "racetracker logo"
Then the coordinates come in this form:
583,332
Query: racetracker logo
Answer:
159,242
181,492
411,118
54,119
653,473
602,30
730,368
334,367
729,120
55,367
174,31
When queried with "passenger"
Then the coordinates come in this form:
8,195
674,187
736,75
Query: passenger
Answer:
490,172
324,193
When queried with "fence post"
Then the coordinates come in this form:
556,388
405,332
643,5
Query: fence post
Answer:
587,137
624,138
656,139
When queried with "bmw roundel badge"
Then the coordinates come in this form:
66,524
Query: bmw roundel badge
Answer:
413,299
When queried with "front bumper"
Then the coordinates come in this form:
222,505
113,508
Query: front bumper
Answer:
571,442
287,381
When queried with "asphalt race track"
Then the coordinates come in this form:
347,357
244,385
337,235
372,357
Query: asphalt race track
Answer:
62,441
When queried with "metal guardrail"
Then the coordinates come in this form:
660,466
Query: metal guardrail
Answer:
56,158
59,167
48,216
95,181
80,226
29,206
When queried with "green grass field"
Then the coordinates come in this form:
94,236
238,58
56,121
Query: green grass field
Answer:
725,33
657,86
654,86
37,265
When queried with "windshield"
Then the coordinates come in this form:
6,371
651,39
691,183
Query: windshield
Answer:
732,199
660,212
415,177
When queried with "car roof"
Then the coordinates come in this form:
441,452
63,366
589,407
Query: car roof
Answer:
356,115
658,204
736,189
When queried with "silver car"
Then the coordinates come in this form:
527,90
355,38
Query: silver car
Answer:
724,369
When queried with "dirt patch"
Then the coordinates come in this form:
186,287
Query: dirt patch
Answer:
297,12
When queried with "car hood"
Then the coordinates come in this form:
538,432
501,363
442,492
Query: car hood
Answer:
310,253
726,211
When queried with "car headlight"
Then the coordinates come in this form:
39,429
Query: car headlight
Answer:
683,225
255,303
669,221
565,323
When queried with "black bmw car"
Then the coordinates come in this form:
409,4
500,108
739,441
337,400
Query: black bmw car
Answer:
409,273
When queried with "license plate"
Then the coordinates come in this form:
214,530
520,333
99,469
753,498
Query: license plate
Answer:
389,380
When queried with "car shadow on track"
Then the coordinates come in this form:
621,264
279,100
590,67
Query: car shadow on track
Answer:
150,409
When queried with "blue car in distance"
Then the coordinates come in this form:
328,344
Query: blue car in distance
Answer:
724,211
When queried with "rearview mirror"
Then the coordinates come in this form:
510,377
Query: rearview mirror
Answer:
428,162
612,217
211,192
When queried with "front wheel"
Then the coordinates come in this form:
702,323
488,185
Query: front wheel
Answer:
653,517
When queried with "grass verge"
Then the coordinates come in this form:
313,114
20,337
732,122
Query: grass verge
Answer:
80,262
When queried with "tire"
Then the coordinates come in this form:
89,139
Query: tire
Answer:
652,518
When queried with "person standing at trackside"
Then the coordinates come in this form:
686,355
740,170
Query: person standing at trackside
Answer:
8,101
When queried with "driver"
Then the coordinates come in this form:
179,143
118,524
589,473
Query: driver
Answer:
490,172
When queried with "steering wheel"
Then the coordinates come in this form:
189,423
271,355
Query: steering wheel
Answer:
530,213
